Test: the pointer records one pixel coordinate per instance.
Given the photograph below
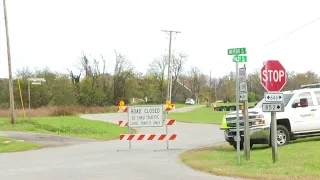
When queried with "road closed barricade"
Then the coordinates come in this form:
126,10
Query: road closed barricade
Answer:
144,117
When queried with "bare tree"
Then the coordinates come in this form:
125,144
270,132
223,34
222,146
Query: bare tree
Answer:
198,82
177,69
122,72
157,71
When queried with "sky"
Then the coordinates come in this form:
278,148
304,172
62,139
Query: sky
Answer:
54,33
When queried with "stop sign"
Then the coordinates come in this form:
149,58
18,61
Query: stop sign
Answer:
273,76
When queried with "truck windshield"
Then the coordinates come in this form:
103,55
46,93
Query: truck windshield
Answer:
286,99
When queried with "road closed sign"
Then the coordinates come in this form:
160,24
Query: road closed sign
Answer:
149,116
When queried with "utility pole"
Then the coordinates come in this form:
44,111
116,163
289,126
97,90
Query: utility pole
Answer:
210,87
13,121
169,65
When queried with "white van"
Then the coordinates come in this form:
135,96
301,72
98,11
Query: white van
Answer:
297,121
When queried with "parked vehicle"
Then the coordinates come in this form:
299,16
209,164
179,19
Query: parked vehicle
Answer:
190,101
299,119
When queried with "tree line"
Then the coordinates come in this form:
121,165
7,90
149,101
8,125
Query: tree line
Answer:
92,85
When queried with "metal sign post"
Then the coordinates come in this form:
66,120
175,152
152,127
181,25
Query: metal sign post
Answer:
274,103
238,139
273,78
237,59
34,81
244,99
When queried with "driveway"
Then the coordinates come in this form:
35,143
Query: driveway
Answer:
111,160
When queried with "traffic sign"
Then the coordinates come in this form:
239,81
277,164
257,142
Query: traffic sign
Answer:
273,97
148,116
243,96
240,59
242,80
272,107
273,76
236,51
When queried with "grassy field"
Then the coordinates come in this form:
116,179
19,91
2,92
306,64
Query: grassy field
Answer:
199,115
176,105
12,145
298,160
250,104
66,125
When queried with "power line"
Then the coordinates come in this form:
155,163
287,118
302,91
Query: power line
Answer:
292,31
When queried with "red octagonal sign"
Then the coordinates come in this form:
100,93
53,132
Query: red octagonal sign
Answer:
273,76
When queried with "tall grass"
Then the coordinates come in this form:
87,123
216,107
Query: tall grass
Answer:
59,111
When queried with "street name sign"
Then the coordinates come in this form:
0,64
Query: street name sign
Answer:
273,76
236,51
148,116
273,97
240,59
273,107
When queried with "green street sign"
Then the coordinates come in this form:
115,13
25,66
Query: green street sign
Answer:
240,59
236,51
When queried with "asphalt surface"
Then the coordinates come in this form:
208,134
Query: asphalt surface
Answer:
112,160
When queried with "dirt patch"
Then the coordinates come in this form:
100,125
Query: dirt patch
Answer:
46,139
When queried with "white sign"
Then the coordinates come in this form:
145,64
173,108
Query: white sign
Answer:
149,116
273,97
242,80
272,107
243,96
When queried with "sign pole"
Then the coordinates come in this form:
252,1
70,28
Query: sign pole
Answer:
274,137
129,132
167,130
246,132
243,89
246,125
237,114
273,78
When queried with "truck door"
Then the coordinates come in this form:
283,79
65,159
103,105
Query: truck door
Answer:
316,112
303,119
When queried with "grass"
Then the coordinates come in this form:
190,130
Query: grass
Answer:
250,104
59,111
66,125
176,105
199,115
298,160
11,145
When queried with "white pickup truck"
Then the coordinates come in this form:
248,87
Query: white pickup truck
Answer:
297,121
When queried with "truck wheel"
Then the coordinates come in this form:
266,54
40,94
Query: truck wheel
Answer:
234,144
283,135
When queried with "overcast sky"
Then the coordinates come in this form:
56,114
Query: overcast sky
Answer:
54,33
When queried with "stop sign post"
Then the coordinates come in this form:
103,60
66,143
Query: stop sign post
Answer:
273,79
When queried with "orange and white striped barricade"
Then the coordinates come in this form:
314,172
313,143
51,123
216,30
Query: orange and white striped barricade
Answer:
144,117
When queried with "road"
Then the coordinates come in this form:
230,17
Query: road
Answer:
92,160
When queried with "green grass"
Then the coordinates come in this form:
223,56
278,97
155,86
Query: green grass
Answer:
181,105
176,105
298,160
11,145
66,125
199,115
250,104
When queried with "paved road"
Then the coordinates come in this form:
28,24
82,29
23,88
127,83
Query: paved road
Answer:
100,160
